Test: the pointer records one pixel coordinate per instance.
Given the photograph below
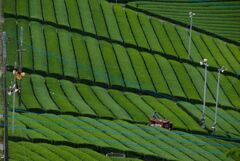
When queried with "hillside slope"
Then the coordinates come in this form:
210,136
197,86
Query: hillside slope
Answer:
219,17
95,74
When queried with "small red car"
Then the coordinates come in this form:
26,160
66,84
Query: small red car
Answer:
156,121
162,123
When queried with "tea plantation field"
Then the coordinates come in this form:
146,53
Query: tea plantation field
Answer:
96,72
219,17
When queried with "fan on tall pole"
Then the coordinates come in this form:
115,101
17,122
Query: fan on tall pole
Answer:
220,70
191,14
205,64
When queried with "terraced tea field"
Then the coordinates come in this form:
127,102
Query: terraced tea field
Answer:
219,17
97,71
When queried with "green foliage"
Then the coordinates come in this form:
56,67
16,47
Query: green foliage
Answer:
74,14
22,8
223,14
134,111
28,98
95,55
153,68
61,12
38,151
227,54
199,82
112,66
188,120
58,96
42,94
140,70
87,21
230,89
122,136
185,80
234,153
27,54
212,85
98,18
68,55
74,53
123,24
39,49
165,112
149,33
126,67
53,51
9,7
170,76
73,56
93,101
175,40
111,21
11,43
136,29
139,102
35,8
111,104
216,52
163,37
75,98
235,51
83,62
184,37
223,127
48,11
202,47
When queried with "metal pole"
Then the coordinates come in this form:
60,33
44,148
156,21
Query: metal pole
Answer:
21,48
190,37
14,103
20,51
4,91
204,98
216,108
220,70
191,14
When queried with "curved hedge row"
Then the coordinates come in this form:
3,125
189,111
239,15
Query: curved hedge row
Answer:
219,17
84,58
62,96
115,23
42,151
120,135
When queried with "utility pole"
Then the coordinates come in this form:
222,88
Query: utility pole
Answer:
204,63
17,76
12,92
191,14
4,92
20,52
220,70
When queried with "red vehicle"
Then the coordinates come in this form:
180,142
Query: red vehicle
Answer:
156,121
